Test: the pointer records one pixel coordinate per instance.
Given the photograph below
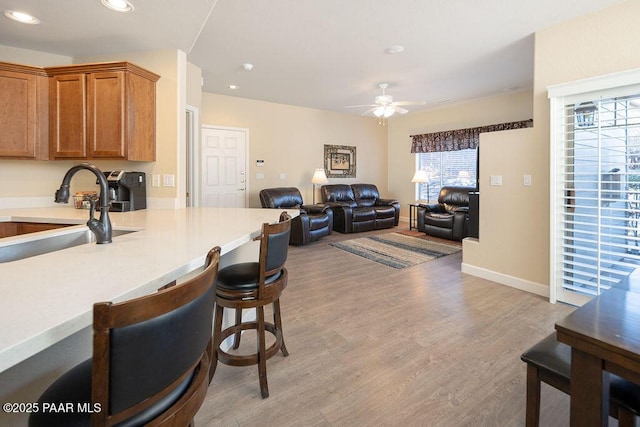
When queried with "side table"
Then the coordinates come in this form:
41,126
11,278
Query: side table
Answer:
413,215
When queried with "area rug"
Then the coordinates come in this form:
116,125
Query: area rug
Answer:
396,250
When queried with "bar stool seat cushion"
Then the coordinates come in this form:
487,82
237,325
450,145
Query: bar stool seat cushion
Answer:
74,387
243,276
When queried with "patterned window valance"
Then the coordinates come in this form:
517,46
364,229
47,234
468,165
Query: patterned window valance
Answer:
460,139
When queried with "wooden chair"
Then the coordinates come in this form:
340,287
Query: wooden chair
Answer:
549,361
254,285
151,359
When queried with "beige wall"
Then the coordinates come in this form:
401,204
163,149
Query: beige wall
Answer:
488,111
291,139
514,222
600,43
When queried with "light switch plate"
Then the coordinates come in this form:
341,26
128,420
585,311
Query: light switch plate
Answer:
495,180
155,182
259,176
169,180
527,181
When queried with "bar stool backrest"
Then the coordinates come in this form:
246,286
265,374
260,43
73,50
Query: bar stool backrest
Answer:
147,351
274,245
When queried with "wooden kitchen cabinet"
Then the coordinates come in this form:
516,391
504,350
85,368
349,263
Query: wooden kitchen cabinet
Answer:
23,112
102,111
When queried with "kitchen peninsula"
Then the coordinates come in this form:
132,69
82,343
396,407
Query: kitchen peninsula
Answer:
47,300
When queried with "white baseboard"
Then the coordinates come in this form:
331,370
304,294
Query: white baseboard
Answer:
505,279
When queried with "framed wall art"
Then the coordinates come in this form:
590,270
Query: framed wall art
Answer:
340,161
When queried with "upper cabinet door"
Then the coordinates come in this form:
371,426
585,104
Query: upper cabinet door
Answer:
18,115
67,115
106,115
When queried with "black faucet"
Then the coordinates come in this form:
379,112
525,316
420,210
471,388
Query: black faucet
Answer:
102,227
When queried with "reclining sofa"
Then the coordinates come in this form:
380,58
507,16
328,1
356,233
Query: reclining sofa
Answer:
449,218
358,207
314,221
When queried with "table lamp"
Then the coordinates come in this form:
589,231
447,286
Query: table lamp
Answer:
421,177
319,178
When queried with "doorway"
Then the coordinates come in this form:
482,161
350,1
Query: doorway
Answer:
224,167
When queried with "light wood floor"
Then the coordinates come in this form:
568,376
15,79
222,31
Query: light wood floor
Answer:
373,346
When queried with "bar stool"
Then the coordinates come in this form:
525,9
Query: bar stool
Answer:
550,361
150,364
254,285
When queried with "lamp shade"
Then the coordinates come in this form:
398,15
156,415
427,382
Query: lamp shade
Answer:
319,177
420,176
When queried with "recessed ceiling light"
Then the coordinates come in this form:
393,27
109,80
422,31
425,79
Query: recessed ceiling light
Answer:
392,50
233,87
247,66
25,18
118,5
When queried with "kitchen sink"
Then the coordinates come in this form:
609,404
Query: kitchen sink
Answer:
21,248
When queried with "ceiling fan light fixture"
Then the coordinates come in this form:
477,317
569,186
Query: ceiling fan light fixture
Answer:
118,5
22,17
384,111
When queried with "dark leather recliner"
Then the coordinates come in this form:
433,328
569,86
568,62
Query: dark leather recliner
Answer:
449,218
358,207
314,221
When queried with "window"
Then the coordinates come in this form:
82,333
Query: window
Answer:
446,168
596,192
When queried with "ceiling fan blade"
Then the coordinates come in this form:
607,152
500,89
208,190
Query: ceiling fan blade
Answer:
360,106
400,110
369,111
409,103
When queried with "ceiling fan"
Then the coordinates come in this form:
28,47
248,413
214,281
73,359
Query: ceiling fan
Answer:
384,106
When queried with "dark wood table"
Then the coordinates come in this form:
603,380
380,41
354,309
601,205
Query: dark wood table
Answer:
605,337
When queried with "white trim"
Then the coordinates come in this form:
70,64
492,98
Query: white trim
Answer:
194,149
505,279
593,84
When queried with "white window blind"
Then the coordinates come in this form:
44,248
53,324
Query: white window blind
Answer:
446,168
595,192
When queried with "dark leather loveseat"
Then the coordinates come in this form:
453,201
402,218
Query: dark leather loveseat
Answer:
314,221
358,207
449,218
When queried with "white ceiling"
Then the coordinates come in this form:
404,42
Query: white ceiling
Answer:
321,54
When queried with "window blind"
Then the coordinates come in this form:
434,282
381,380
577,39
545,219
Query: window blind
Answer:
597,188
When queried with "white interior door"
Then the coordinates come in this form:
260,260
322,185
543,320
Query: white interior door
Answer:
224,177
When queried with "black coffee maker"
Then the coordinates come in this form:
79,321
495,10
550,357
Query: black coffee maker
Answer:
127,190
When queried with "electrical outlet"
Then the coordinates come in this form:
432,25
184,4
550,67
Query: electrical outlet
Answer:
155,182
527,181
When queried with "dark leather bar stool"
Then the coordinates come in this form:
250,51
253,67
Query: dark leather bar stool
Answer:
549,361
254,285
150,364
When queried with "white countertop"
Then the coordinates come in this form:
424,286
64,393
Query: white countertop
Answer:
46,298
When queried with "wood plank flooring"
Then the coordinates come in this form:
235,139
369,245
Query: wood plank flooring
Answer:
373,346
